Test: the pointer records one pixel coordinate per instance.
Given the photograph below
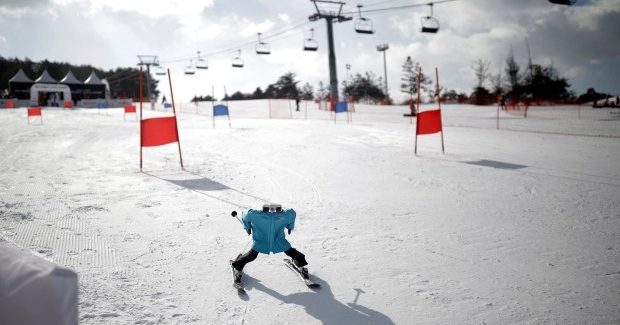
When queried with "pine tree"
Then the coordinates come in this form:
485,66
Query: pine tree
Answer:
409,79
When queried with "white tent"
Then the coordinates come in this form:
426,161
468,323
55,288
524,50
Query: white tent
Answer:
70,79
46,78
93,79
20,76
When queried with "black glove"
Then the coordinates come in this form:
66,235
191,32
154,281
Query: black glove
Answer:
289,231
249,231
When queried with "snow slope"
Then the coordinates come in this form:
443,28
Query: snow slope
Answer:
517,225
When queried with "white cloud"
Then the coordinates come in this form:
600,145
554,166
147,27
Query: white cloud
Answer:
110,33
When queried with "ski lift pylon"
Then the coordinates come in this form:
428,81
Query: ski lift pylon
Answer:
201,63
310,44
237,62
190,70
430,24
563,2
262,47
363,25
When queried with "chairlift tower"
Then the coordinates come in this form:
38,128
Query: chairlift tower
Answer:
148,61
383,48
330,11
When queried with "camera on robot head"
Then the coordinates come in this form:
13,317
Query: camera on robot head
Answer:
272,208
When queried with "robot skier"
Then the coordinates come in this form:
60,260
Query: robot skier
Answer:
267,229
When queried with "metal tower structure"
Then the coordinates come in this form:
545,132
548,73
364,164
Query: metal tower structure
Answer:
383,48
148,61
330,11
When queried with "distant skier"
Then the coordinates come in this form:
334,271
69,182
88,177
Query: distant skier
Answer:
267,230
297,100
502,102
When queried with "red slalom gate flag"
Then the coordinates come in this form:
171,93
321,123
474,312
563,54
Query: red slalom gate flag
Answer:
9,104
158,131
130,109
34,111
68,104
428,122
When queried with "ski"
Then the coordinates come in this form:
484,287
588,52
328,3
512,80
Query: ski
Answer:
236,285
294,268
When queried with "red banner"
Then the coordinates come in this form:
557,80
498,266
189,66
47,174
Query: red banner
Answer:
34,111
428,122
130,109
158,131
10,104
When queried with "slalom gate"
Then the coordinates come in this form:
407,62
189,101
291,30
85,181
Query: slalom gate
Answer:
158,131
34,112
343,107
429,122
68,104
288,108
129,109
220,109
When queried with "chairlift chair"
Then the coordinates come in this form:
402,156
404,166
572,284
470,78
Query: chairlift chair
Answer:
160,71
262,47
430,24
310,44
563,2
363,25
201,63
190,70
237,62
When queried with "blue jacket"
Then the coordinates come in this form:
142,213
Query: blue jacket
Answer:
268,229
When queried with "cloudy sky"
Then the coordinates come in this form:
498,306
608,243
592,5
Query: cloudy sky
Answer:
581,41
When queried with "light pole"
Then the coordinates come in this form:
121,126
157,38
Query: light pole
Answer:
330,11
148,61
346,82
383,48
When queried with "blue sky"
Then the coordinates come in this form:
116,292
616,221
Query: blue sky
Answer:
580,41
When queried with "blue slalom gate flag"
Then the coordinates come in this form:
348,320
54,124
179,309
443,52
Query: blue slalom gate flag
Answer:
220,110
341,107
167,105
103,104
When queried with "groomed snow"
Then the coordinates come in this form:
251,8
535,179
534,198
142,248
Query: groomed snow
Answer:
517,225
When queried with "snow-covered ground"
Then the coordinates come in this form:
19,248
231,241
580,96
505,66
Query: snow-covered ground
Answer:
517,225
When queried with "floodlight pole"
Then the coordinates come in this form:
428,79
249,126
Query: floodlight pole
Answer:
330,16
383,48
148,61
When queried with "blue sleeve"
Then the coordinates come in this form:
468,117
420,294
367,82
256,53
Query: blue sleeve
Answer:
291,215
247,219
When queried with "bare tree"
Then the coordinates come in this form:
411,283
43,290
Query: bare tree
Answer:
512,72
481,69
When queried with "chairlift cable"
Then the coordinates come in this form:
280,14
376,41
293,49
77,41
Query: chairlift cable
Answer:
234,47
401,7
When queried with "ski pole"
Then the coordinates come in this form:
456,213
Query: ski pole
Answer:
234,215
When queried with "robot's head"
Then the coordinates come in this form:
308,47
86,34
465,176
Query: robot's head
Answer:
272,208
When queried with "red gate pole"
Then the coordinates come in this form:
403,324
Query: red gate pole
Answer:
439,103
417,120
140,118
175,118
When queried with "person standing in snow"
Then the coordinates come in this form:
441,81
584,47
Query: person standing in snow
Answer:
267,230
